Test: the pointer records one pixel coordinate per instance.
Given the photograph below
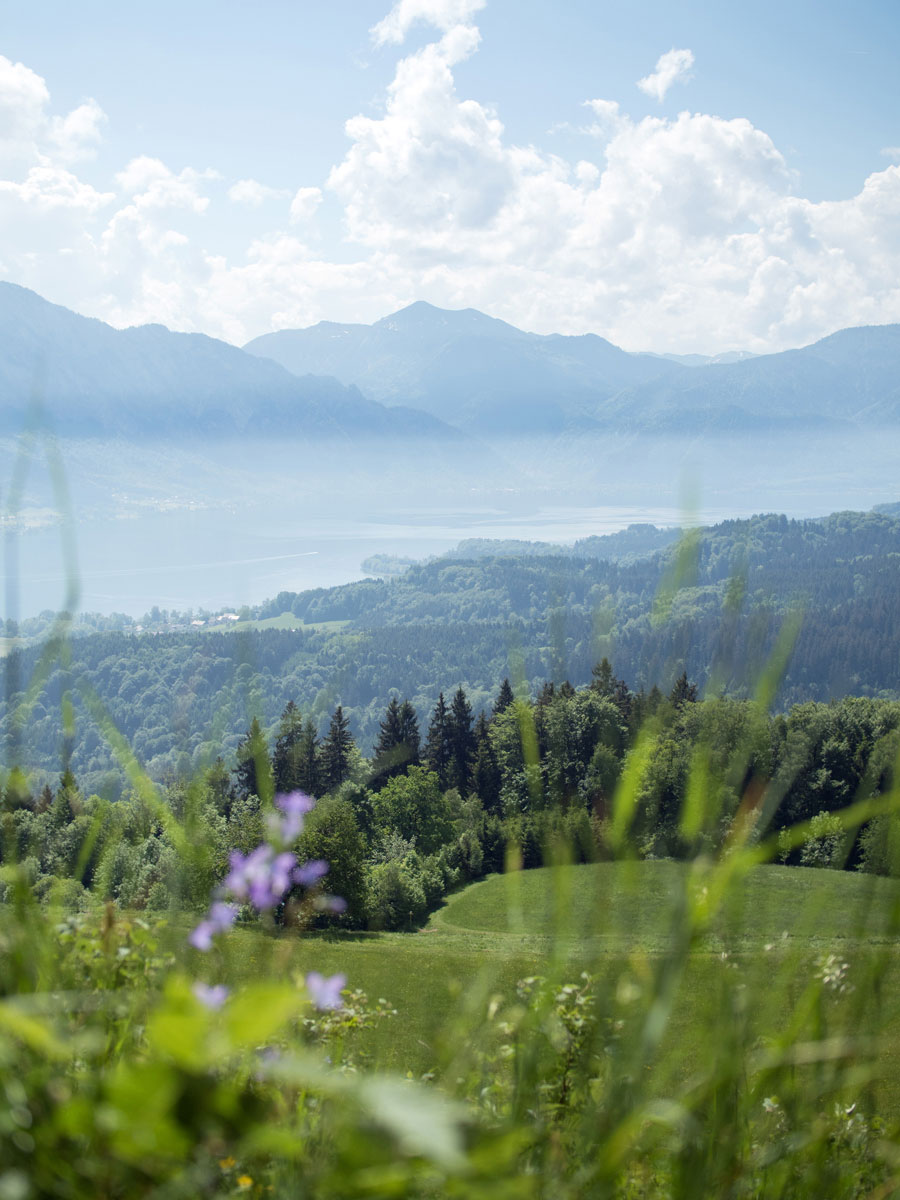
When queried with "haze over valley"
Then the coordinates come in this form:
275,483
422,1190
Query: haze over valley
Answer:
195,474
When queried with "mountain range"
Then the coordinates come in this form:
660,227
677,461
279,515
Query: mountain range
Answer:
93,380
488,377
446,376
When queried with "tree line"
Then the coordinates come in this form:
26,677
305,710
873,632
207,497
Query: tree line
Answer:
430,810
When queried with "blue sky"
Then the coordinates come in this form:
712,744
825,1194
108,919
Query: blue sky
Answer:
193,163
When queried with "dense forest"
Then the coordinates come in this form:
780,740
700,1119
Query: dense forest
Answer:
713,606
437,807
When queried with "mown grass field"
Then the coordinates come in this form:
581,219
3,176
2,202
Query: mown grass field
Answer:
286,620
748,968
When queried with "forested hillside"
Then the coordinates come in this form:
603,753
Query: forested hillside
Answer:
712,607
438,804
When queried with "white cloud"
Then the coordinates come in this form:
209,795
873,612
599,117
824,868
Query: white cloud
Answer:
48,187
608,118
254,194
891,151
433,165
76,135
23,98
672,67
443,14
304,204
683,233
151,184
28,131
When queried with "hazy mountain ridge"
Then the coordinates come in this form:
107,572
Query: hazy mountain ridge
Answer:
444,375
94,380
850,377
489,377
476,371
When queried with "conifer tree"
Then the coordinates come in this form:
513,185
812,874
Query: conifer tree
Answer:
604,681
218,787
486,771
683,692
409,732
253,771
308,755
462,742
602,678
397,748
336,749
504,698
438,751
285,760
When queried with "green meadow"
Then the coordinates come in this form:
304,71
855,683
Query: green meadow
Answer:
756,961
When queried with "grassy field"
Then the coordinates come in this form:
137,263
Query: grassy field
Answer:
286,620
750,965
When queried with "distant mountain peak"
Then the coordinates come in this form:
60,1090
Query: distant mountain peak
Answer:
146,380
421,316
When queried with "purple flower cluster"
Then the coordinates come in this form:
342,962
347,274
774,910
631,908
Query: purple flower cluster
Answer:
263,878
221,917
293,806
326,993
266,875
211,997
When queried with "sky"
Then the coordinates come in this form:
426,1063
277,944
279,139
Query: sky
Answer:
689,177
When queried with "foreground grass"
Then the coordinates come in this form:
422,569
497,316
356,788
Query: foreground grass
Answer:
733,1035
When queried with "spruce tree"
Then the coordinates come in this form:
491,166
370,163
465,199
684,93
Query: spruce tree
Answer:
336,748
504,698
462,742
253,771
285,764
409,733
603,680
397,747
683,692
437,745
308,774
486,771
218,787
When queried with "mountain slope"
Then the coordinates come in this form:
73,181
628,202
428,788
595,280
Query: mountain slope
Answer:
851,377
487,376
91,379
480,373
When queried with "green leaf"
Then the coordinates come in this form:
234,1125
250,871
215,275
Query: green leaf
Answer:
141,1099
258,1012
421,1120
34,1033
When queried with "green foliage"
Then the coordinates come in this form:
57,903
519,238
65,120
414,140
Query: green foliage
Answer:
414,806
442,624
397,899
332,834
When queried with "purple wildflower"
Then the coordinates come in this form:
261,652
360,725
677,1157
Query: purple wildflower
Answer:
325,993
311,872
243,869
201,937
221,917
281,876
211,997
295,802
263,876
295,806
332,904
